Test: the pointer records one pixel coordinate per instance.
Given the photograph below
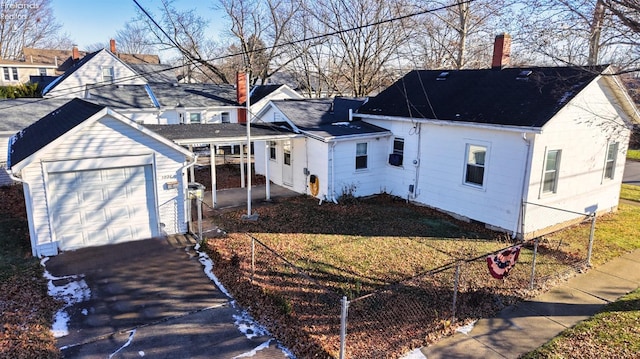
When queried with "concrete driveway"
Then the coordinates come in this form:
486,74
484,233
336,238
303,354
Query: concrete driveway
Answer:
631,173
150,299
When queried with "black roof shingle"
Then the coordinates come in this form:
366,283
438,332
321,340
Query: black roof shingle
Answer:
47,129
527,97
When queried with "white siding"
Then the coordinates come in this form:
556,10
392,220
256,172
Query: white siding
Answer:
91,73
582,131
299,161
361,182
111,138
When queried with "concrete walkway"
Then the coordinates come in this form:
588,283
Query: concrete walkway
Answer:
521,328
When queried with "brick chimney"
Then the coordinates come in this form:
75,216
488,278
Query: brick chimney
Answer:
241,93
75,54
501,52
112,46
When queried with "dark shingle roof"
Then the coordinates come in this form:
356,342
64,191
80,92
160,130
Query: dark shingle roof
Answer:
212,131
194,95
16,114
47,129
122,96
326,117
155,72
261,91
512,96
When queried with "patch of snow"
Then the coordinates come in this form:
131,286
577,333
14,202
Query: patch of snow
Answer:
467,328
74,291
255,351
85,311
141,353
415,354
131,335
244,322
248,326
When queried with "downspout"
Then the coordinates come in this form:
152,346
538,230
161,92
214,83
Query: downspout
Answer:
333,177
187,201
27,191
521,212
418,129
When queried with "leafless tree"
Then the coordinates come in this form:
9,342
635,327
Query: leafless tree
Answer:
134,39
582,32
258,33
185,31
29,24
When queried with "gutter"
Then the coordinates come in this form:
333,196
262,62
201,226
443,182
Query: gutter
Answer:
521,212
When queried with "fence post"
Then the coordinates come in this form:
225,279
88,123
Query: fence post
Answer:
533,263
253,257
591,234
343,326
456,281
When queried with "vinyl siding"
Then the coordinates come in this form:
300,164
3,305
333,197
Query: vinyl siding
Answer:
111,138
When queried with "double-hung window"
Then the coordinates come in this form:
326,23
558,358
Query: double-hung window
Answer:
551,169
396,157
361,156
10,73
610,162
225,117
474,170
107,74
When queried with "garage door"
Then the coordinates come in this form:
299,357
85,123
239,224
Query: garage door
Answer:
105,206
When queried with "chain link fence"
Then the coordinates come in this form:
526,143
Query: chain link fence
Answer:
318,313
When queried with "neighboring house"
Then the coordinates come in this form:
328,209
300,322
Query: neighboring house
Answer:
16,114
95,69
335,152
92,177
526,151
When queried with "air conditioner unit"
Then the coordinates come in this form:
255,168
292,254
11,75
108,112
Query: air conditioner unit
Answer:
395,159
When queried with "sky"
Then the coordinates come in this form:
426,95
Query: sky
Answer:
97,21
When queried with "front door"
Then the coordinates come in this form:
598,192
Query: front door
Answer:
287,170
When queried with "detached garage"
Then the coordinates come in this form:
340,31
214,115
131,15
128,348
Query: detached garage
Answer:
93,177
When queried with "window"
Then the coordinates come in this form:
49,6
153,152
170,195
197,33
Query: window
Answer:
610,163
107,74
474,171
194,118
550,178
286,150
10,73
395,159
225,117
361,156
42,71
272,150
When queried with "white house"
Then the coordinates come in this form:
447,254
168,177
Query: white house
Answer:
526,151
92,177
335,156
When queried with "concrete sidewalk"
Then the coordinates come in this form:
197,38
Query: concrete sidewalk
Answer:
521,328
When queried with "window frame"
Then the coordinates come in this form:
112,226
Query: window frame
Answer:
610,163
196,114
7,74
225,116
556,172
466,175
362,157
42,71
14,73
273,151
110,76
397,150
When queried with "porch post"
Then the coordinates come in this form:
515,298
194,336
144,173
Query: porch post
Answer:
241,166
192,168
266,170
214,184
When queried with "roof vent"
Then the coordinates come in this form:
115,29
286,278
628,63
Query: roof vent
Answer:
523,75
443,76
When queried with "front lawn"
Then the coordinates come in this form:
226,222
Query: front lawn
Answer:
396,263
633,155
